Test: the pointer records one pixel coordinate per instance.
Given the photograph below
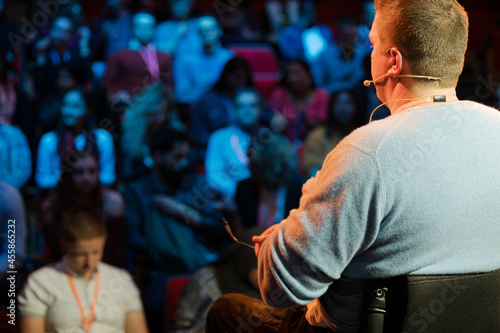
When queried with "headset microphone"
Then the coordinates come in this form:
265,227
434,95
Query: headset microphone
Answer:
368,82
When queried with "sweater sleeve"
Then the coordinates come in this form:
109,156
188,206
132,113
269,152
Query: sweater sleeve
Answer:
338,218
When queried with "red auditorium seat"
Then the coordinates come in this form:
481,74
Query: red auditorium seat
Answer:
173,291
263,63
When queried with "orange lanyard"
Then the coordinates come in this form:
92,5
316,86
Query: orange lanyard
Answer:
86,322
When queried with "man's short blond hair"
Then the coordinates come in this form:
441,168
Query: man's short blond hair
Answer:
431,34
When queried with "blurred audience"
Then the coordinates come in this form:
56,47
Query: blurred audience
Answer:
81,188
305,39
50,104
192,79
179,36
113,30
340,66
57,297
239,23
234,272
61,47
226,161
130,70
173,223
274,188
74,134
149,112
299,100
15,156
215,109
343,117
279,14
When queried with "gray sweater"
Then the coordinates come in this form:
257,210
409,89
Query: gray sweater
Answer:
415,193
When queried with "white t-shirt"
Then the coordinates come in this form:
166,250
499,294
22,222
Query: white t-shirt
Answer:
48,294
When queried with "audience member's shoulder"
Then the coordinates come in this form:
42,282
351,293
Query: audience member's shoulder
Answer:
49,138
49,273
113,202
11,130
103,134
8,192
113,271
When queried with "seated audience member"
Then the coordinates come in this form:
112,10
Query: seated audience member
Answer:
58,297
196,73
274,187
239,24
215,109
226,161
73,133
173,224
13,236
179,36
50,105
343,118
173,196
149,112
130,70
234,272
113,30
81,188
299,100
279,15
305,39
340,66
56,50
15,156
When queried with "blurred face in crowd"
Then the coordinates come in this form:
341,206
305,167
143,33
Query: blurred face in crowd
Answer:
83,255
247,105
308,13
73,108
346,37
180,9
343,108
65,80
61,31
209,30
143,28
173,163
86,174
158,116
298,78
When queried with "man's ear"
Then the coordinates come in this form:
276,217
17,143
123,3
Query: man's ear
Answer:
396,62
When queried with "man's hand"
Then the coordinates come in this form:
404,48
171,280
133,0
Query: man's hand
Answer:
170,206
259,240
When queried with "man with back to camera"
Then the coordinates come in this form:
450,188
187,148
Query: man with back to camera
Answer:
415,193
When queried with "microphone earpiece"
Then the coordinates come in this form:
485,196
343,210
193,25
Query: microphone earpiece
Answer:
367,83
